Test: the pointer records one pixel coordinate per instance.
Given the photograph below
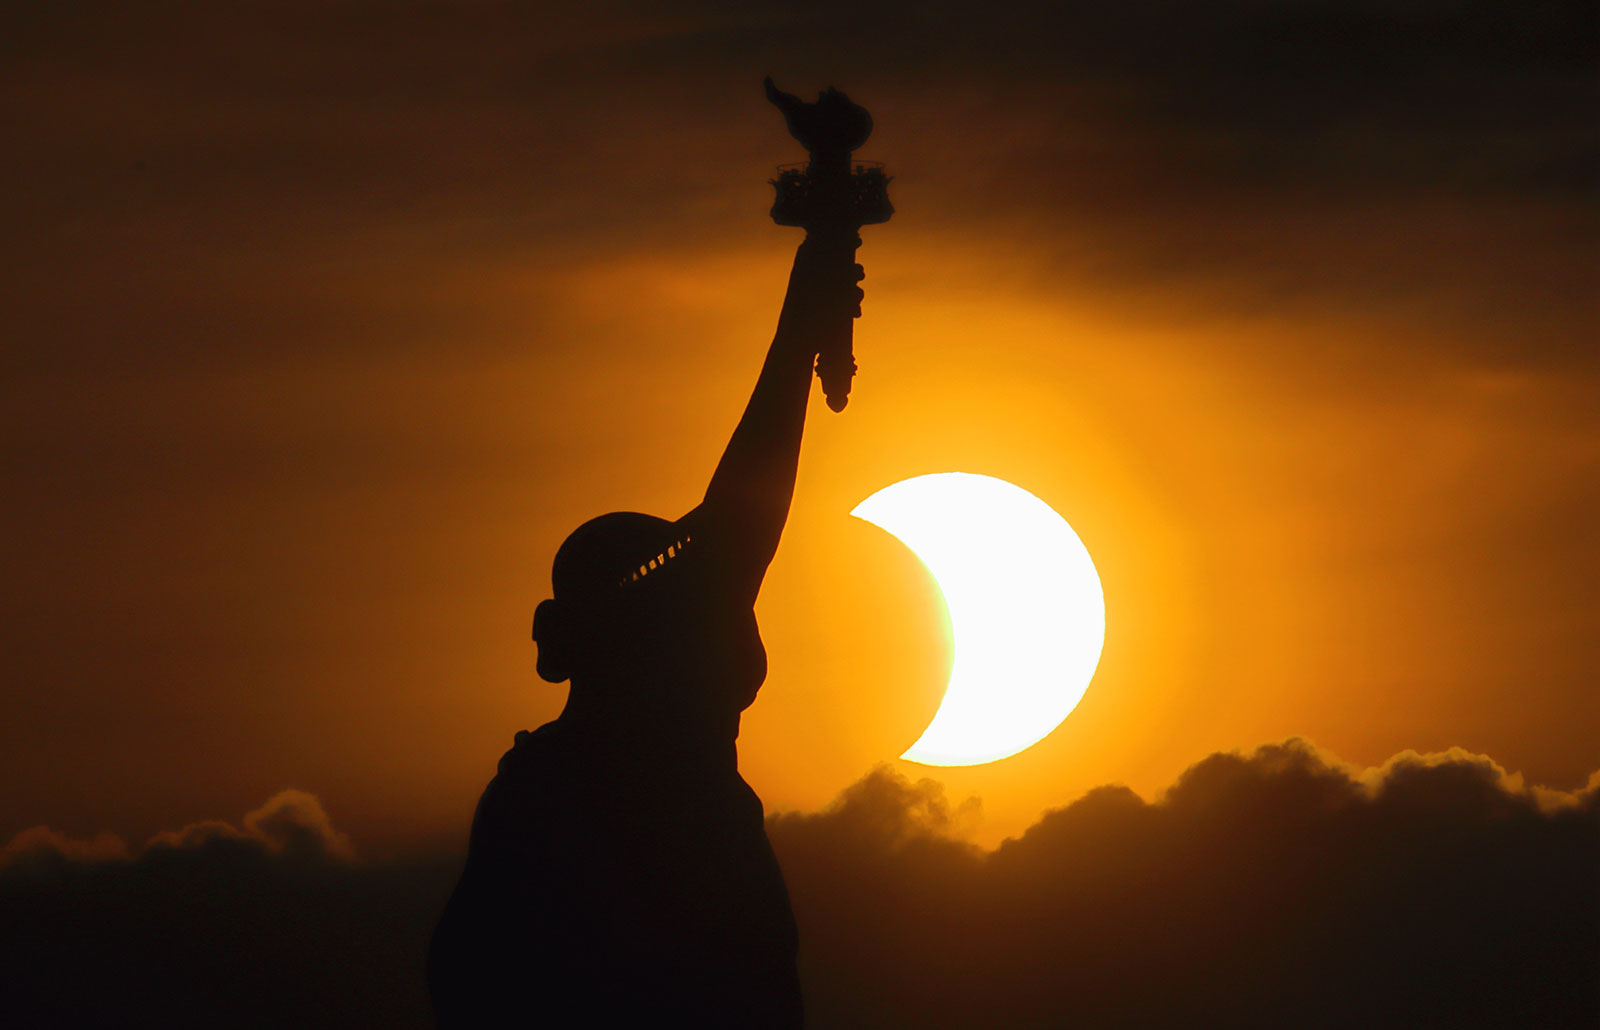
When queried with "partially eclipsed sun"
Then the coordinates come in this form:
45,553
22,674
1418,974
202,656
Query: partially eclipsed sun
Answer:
1027,615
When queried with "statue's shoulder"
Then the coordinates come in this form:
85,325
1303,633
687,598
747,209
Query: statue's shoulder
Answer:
525,788
534,753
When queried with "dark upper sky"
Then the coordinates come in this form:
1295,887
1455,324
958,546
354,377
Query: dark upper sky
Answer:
312,307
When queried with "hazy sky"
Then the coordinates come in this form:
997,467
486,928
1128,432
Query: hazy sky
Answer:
327,321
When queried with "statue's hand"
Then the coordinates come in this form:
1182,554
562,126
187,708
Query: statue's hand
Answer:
824,294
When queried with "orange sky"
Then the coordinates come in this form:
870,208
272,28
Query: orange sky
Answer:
314,362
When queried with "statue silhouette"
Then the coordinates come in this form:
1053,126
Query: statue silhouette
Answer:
618,870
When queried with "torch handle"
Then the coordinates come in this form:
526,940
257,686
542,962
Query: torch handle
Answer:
836,364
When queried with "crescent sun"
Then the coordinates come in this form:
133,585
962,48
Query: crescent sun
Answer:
1027,613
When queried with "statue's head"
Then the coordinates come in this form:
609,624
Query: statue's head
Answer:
634,610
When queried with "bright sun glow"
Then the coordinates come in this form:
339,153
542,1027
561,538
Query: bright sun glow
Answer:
1027,613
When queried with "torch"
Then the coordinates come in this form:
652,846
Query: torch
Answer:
831,196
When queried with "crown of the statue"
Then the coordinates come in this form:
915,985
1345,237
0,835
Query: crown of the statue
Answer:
615,550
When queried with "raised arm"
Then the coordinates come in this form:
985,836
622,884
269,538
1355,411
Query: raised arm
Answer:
747,503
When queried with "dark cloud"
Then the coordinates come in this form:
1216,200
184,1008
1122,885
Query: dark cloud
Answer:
292,826
270,923
308,162
42,846
1275,888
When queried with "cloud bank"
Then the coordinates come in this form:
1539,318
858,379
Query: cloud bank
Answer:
272,922
292,824
1280,887
1275,888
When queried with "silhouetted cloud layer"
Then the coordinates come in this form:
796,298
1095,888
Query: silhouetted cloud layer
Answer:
292,824
270,923
1276,888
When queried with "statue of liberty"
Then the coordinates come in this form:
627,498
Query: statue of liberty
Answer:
618,870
